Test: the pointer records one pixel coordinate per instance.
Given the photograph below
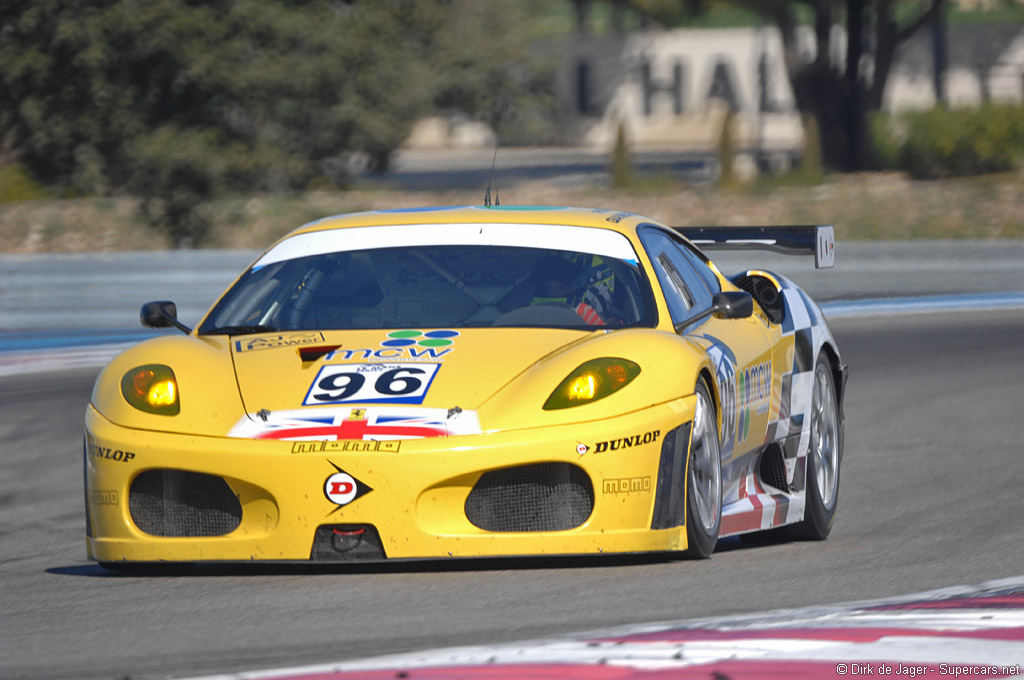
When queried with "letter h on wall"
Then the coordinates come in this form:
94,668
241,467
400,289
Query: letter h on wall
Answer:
652,87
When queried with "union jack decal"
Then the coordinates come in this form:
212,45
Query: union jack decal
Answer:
367,424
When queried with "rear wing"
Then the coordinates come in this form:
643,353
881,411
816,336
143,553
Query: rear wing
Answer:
801,240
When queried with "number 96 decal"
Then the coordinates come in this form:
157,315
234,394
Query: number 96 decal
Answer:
372,384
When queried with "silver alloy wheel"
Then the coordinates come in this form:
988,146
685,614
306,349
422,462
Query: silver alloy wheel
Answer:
825,436
706,466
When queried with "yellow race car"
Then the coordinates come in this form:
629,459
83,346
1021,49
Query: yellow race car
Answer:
473,381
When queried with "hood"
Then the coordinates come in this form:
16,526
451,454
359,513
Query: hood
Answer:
314,379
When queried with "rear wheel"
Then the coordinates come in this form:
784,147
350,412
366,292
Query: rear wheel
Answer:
703,480
823,457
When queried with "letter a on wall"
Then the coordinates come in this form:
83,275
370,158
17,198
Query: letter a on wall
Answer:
722,86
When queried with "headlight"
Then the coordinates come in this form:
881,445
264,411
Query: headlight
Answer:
151,388
591,381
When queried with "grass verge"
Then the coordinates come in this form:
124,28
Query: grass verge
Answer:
882,206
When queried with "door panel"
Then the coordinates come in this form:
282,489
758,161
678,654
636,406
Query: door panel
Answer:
740,349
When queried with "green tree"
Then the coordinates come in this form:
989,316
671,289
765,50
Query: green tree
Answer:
841,95
176,101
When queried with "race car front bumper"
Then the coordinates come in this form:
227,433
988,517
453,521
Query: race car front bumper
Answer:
608,486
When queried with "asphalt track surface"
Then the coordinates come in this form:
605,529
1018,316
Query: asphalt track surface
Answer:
930,497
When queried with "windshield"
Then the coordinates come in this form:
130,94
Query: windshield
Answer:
436,286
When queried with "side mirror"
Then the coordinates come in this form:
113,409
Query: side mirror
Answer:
732,305
735,304
158,314
162,314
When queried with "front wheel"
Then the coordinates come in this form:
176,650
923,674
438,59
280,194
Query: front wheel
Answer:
823,457
703,480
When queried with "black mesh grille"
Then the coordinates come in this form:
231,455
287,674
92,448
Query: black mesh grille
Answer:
764,291
773,468
179,503
346,542
541,497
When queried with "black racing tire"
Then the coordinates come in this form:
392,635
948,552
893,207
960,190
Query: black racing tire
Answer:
824,455
703,479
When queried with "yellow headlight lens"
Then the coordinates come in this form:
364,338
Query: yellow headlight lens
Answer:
151,388
594,380
583,387
163,393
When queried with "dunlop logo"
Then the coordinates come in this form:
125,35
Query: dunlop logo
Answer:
627,442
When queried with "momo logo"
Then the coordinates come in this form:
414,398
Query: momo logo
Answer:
341,488
103,497
626,485
347,445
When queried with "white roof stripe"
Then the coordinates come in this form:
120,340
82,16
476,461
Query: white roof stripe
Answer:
603,242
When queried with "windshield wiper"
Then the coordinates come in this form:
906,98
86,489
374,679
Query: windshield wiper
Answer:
242,330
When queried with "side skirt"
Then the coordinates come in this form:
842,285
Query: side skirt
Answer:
760,506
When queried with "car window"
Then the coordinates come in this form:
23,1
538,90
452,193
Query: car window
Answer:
700,265
686,292
437,286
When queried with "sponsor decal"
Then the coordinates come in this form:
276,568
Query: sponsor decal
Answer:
441,338
273,341
626,485
725,375
103,497
403,345
362,424
346,445
627,442
334,426
742,391
755,390
341,488
96,451
371,383
582,448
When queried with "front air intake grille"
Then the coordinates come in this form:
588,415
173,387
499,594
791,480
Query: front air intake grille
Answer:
670,490
346,543
179,503
772,468
540,497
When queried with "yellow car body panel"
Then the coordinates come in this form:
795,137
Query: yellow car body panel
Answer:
305,440
419,490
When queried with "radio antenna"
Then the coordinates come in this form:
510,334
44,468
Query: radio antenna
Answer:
494,160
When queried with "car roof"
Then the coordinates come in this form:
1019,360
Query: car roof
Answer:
600,232
622,222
